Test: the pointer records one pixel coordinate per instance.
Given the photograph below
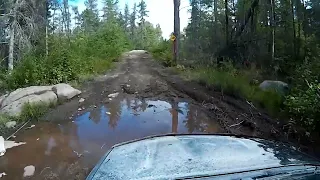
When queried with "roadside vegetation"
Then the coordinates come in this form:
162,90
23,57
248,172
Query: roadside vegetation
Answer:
53,42
280,42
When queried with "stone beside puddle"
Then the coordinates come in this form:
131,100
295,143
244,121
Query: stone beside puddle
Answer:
113,95
2,174
32,126
13,102
29,171
81,100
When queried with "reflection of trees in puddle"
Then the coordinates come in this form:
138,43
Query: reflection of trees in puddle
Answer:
115,110
48,145
95,115
198,121
175,117
138,106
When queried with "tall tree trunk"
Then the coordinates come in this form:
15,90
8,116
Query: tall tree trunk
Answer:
294,31
176,29
11,47
227,21
299,28
273,26
47,39
215,17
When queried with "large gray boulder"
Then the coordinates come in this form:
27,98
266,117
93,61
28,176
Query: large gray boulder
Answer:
24,92
280,87
13,102
14,108
65,91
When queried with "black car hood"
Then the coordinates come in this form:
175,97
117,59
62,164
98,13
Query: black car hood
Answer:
170,157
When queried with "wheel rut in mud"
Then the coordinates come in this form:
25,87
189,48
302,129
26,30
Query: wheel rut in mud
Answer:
132,101
138,98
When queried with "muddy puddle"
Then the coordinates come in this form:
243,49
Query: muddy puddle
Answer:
70,149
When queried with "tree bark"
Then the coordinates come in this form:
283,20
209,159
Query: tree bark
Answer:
215,17
11,48
294,31
299,28
47,39
176,29
273,19
227,21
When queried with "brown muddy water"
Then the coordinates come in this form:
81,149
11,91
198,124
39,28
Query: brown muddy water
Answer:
70,149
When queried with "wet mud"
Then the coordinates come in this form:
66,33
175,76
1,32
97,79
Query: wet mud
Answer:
74,136
138,98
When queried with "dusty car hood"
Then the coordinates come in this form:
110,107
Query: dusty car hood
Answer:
169,157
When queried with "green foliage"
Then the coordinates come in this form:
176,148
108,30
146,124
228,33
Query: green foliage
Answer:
34,111
4,119
235,83
69,59
163,53
304,106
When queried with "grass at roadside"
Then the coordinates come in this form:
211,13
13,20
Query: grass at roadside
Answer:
30,112
237,84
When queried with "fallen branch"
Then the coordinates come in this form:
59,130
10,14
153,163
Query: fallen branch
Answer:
18,130
236,124
251,104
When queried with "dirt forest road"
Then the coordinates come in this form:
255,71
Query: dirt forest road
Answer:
152,100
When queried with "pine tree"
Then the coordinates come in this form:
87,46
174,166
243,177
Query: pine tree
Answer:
143,12
90,17
126,16
133,17
110,9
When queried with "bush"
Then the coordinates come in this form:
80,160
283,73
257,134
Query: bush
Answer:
34,112
70,58
163,53
235,83
304,106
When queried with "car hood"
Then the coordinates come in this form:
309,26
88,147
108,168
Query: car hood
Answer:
180,156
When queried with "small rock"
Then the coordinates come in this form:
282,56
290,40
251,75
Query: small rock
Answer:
38,139
29,171
72,121
128,85
81,100
11,124
95,106
2,174
151,105
108,113
113,95
110,99
79,109
32,126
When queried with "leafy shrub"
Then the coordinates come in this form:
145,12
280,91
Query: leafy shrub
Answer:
304,106
235,83
34,111
163,53
70,58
